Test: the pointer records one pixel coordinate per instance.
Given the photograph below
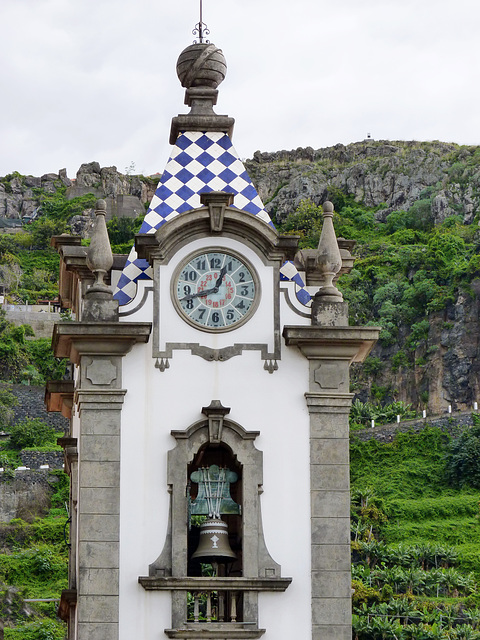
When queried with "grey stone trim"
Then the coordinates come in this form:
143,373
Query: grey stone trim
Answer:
97,608
195,224
74,339
216,355
152,583
350,343
97,630
305,314
330,350
199,122
260,571
231,631
332,611
331,632
271,248
146,292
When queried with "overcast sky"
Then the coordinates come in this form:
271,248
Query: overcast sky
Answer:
96,79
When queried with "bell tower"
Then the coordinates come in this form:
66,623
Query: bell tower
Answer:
208,447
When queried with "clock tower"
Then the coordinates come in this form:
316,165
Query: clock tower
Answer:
208,449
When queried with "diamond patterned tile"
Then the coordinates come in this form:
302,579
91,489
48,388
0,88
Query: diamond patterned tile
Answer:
199,162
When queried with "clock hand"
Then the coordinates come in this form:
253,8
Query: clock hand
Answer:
206,292
199,294
220,278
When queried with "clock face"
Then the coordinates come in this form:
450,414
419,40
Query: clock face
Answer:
215,290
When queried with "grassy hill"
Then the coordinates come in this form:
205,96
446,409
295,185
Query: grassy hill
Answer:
415,537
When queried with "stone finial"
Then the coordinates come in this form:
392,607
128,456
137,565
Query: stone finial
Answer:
201,65
329,259
99,254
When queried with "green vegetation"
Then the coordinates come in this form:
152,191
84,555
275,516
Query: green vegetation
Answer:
415,538
28,266
31,432
34,552
122,232
362,413
405,268
27,361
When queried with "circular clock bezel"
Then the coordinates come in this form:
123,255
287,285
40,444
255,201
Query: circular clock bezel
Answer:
225,251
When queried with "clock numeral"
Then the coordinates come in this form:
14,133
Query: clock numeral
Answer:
187,289
240,305
241,277
215,263
190,275
201,265
215,317
189,304
201,313
230,315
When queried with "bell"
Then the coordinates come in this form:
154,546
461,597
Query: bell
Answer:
214,545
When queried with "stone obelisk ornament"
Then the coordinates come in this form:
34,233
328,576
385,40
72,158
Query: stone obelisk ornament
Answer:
99,254
99,303
329,259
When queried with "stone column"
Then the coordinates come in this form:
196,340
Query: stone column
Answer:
100,400
330,350
98,348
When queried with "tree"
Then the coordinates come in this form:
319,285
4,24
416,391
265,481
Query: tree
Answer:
10,272
463,462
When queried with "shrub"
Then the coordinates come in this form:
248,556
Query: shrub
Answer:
31,432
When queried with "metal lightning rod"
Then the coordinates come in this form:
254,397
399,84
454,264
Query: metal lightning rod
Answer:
201,30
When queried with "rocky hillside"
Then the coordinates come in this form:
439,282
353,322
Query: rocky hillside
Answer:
420,281
391,174
126,195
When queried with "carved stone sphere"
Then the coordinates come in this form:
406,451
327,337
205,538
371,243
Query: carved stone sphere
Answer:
201,65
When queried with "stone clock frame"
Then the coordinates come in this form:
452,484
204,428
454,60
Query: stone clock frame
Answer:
235,254
217,218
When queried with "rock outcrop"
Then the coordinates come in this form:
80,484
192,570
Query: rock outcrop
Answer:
392,175
126,195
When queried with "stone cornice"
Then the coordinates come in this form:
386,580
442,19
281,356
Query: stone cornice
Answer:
340,343
215,631
195,224
74,339
213,584
200,122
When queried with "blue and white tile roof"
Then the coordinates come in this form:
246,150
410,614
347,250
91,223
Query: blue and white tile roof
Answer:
200,162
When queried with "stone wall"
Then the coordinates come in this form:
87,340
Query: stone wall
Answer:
26,495
36,459
41,322
31,405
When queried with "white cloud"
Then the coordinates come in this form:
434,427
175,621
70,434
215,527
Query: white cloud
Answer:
97,81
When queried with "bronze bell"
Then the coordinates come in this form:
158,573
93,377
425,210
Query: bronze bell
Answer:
214,545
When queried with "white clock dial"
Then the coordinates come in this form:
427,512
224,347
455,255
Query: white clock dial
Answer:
215,290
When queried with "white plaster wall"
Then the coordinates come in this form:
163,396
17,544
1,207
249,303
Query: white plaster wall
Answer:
273,404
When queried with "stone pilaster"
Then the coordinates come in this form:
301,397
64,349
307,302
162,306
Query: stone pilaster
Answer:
330,351
98,348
